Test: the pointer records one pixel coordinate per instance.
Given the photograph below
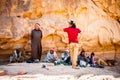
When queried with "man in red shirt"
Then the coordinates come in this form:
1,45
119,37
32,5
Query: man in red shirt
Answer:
73,42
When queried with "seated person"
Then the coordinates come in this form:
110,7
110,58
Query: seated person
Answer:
18,55
92,59
65,57
51,56
97,62
82,59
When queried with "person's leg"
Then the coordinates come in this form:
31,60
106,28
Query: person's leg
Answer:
98,61
18,59
11,59
75,55
71,52
102,62
21,59
34,51
14,59
67,60
40,52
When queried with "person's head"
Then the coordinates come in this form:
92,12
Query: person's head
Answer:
37,26
52,51
92,54
18,49
67,51
72,24
82,53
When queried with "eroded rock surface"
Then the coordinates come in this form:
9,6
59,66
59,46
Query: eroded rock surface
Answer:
98,20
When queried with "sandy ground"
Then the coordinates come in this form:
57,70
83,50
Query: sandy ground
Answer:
59,72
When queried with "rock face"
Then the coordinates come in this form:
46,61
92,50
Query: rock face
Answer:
98,20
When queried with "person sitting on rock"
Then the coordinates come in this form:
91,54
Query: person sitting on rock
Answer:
83,59
51,56
18,55
65,57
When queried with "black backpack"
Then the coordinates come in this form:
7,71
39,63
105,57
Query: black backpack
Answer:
30,60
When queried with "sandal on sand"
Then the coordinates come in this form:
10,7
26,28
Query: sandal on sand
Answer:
36,61
76,67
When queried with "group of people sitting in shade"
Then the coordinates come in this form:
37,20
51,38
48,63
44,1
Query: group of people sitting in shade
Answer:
83,59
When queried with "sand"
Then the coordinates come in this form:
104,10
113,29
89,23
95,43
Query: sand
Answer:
34,71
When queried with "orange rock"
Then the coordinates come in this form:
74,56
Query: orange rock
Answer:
2,72
98,21
22,72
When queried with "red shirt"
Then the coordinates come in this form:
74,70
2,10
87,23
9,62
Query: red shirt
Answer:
72,34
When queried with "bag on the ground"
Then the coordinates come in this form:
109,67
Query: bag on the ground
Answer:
83,63
30,60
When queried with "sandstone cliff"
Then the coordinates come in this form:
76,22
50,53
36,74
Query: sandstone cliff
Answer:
98,20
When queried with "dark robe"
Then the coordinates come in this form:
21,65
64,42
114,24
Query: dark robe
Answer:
36,46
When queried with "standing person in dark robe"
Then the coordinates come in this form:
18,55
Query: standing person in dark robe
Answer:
36,37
